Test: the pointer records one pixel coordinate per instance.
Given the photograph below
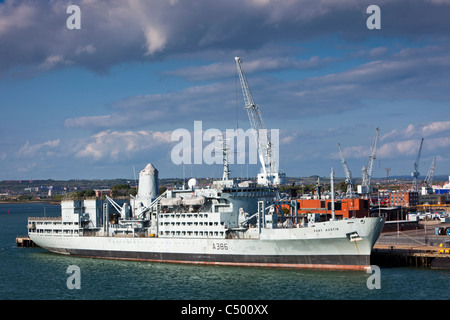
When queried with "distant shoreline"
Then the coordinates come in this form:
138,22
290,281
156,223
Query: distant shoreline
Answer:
30,201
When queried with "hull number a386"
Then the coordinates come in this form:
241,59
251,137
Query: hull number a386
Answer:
219,246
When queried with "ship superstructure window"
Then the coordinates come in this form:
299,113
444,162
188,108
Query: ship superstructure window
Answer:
193,224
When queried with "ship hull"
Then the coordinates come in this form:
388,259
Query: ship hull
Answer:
324,246
341,262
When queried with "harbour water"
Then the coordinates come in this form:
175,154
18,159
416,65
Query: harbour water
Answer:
35,274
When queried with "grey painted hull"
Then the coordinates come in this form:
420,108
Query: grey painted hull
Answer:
325,245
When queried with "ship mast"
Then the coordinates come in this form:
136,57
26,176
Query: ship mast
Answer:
332,194
226,170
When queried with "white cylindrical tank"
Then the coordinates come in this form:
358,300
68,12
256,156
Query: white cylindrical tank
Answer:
148,185
192,183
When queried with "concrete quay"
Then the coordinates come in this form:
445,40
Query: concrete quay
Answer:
413,248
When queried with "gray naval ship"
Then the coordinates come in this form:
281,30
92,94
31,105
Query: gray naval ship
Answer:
226,223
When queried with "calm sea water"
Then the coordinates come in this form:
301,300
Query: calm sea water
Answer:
33,273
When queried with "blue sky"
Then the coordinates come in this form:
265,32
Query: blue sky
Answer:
98,101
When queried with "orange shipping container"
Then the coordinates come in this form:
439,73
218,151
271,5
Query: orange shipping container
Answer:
344,208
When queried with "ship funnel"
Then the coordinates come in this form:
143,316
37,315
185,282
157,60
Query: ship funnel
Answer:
148,185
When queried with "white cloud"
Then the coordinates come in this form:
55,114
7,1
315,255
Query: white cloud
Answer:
356,152
116,145
88,49
26,167
260,64
30,150
435,128
111,148
401,142
155,39
16,16
52,62
398,148
378,51
405,143
190,104
418,130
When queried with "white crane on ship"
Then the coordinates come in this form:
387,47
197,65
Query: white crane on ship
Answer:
365,187
415,174
269,174
348,175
